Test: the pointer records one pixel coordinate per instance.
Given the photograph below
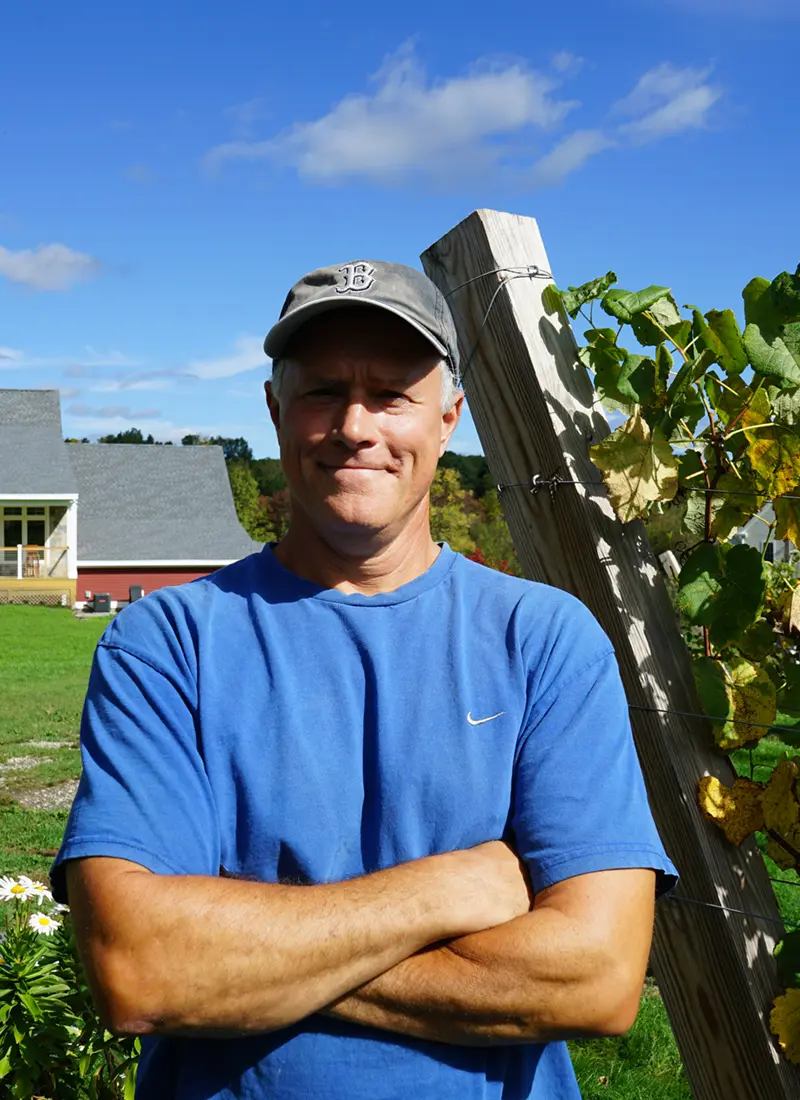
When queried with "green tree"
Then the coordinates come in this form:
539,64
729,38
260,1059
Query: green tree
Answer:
130,435
235,449
268,472
473,470
246,500
450,511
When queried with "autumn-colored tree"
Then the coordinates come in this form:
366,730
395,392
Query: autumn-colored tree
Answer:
450,511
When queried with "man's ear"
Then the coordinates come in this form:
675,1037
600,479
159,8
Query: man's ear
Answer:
450,421
274,407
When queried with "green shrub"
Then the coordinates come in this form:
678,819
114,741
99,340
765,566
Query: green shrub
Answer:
52,1043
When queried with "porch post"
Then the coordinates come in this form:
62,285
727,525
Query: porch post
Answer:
72,539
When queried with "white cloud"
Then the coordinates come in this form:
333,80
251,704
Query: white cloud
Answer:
569,64
669,100
116,385
140,173
10,358
245,116
48,267
409,126
76,366
570,154
106,412
247,355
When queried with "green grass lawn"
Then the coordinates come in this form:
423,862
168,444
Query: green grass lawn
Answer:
45,654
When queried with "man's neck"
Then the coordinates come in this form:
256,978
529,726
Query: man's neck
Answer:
353,563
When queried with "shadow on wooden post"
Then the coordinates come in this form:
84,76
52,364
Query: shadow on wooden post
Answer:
536,412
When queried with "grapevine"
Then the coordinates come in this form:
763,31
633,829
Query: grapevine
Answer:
711,435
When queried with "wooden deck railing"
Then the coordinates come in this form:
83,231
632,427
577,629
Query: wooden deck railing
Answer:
23,561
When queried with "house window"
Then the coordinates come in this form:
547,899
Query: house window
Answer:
28,526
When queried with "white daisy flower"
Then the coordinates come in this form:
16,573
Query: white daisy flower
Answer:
39,891
12,889
40,922
59,908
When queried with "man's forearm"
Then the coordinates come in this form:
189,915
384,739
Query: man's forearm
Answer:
176,954
534,979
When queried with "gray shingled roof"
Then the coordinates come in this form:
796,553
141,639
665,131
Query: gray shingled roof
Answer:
33,458
141,502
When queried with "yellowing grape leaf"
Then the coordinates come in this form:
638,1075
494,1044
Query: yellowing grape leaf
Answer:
779,855
736,810
784,1022
739,693
638,467
787,513
773,448
781,811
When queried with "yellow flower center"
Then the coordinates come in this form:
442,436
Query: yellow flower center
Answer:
44,921
17,889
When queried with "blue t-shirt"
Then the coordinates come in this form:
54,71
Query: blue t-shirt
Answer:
256,722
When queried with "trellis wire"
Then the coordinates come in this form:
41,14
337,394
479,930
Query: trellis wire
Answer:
538,482
531,271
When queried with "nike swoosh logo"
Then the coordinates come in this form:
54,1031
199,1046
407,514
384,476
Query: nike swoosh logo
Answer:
479,721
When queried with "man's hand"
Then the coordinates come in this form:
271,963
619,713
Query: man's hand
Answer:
492,884
571,968
190,954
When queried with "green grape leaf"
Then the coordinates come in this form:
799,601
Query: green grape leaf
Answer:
661,317
638,467
723,588
625,304
771,358
604,356
576,296
637,379
790,334
731,353
690,470
759,309
738,692
700,583
786,407
729,511
663,367
758,641
742,597
788,703
774,451
787,957
787,513
784,291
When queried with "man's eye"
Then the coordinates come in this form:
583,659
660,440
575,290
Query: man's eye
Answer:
321,391
393,395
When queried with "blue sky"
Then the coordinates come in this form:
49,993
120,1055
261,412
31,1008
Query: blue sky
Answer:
167,171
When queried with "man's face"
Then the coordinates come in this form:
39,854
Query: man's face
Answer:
360,422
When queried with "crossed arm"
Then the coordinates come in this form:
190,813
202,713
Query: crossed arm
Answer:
447,948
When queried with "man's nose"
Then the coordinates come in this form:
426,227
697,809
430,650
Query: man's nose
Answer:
355,425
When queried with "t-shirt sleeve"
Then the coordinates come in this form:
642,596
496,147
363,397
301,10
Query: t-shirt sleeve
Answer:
144,794
579,801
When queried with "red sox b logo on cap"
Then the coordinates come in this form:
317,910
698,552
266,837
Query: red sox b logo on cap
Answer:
357,277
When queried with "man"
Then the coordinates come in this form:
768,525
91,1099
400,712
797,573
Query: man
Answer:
360,818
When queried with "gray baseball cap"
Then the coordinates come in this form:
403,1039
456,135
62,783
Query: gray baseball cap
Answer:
401,290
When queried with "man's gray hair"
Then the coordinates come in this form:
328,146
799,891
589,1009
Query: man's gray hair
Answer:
450,385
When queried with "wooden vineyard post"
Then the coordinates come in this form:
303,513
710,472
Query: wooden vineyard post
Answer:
536,413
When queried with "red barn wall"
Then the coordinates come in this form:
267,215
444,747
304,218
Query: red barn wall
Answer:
118,581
